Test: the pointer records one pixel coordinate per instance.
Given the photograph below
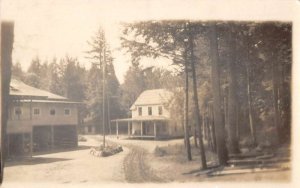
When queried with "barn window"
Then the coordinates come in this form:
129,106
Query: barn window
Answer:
67,111
52,112
160,110
36,111
140,111
149,110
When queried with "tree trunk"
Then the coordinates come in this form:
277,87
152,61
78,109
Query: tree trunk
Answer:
213,135
195,138
218,120
104,98
250,111
237,122
182,118
196,101
275,98
283,111
204,127
225,106
186,112
233,146
7,38
208,130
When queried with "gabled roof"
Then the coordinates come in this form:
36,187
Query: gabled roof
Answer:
153,97
20,89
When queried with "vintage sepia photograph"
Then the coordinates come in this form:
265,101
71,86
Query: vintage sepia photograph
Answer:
130,93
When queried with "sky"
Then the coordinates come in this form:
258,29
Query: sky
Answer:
48,29
55,28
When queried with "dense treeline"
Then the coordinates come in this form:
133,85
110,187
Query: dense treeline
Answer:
242,78
70,78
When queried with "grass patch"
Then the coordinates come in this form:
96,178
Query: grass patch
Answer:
178,153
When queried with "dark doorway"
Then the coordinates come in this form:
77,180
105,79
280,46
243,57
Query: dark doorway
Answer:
15,145
65,136
19,144
41,138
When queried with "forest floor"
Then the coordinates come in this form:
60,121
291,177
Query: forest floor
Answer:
167,160
142,161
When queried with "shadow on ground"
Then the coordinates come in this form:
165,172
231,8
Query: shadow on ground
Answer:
36,159
33,161
57,150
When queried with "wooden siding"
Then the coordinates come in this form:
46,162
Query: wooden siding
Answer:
165,112
19,126
27,119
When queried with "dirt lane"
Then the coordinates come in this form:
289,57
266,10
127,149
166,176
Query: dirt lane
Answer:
136,164
136,167
68,167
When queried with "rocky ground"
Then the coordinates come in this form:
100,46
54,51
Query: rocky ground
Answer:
138,163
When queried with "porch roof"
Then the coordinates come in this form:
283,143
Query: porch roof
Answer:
142,118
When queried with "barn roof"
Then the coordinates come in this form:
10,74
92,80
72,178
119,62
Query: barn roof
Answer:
50,101
20,89
153,97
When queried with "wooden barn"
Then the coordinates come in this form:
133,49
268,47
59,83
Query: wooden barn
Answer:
39,120
150,117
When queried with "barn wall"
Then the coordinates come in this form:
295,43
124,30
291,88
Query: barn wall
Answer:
43,127
25,119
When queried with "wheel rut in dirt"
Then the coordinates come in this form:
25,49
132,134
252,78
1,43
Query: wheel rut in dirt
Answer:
136,168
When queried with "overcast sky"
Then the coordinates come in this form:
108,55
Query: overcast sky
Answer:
54,28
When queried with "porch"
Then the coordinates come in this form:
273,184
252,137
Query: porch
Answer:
142,127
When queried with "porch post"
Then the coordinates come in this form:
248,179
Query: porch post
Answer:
31,144
23,145
30,107
52,137
8,145
141,128
128,128
154,129
109,125
117,128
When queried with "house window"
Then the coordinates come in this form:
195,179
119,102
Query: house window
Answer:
52,112
18,111
67,112
36,111
149,111
140,111
160,110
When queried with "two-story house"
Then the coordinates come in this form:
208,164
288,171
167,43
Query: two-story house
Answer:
39,120
150,116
